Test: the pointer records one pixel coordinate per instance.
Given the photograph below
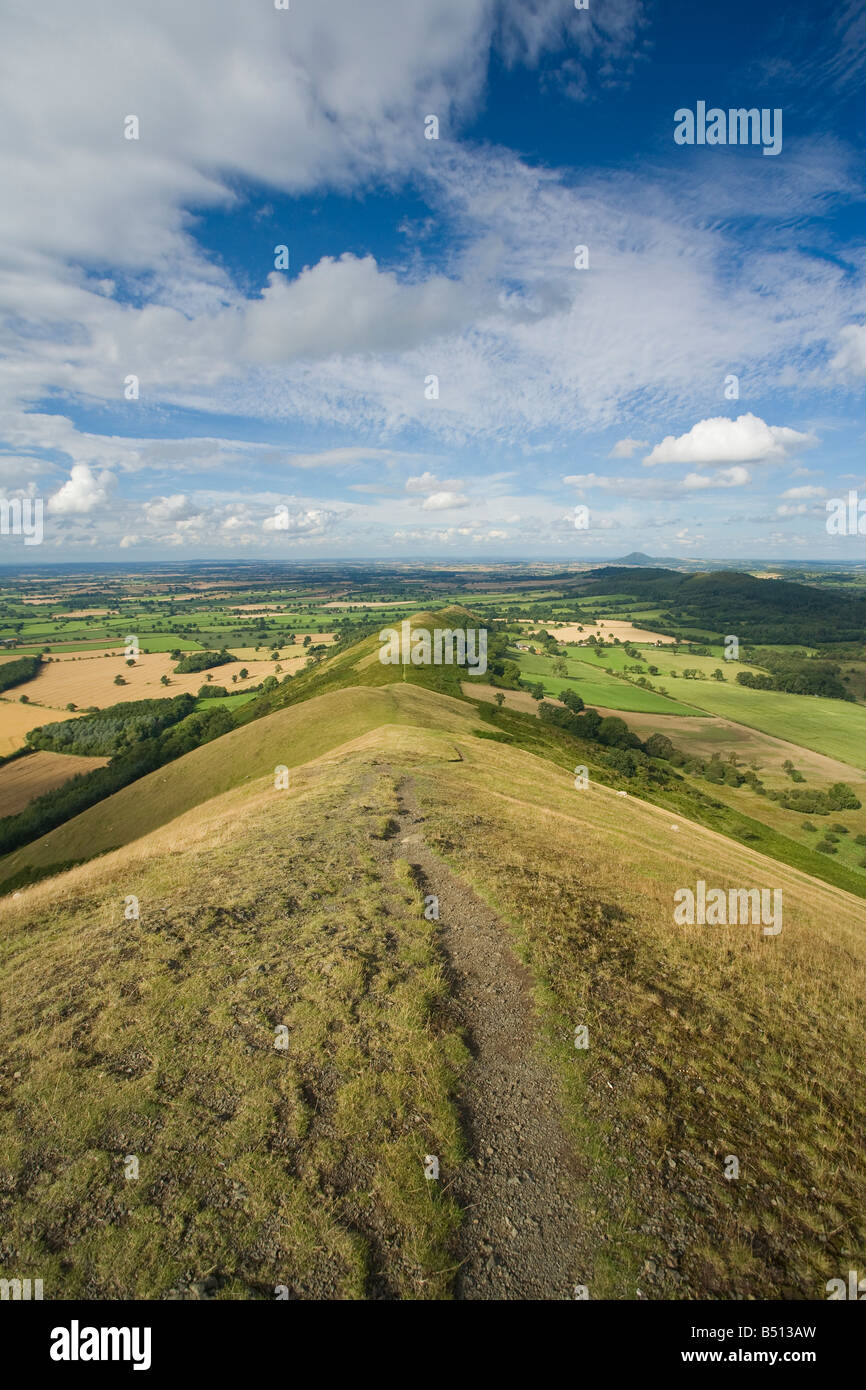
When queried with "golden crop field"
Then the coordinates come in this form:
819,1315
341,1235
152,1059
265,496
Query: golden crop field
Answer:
16,720
608,629
27,778
89,680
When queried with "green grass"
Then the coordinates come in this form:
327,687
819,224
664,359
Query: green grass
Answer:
833,727
596,687
230,701
155,1040
287,738
111,645
304,1167
675,1077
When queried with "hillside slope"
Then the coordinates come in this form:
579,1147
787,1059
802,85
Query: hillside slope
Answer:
285,738
281,1040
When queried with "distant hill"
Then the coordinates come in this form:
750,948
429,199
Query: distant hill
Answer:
728,601
637,557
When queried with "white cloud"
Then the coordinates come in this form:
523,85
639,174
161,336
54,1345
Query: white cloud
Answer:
726,477
175,508
349,306
83,492
722,440
850,360
301,522
805,492
444,501
627,447
427,482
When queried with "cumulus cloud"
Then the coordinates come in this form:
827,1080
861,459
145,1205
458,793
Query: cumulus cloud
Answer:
349,305
175,508
748,439
84,491
850,360
444,501
300,522
805,492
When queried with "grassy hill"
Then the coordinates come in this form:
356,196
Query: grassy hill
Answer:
285,738
298,916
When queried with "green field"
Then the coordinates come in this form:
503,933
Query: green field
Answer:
833,727
230,701
597,687
666,661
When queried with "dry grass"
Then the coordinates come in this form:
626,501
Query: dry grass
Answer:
288,737
514,699
156,1039
705,1041
260,908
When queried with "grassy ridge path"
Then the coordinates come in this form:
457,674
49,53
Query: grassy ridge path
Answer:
519,1238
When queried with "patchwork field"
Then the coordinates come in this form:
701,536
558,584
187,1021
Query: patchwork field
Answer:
705,736
833,727
91,680
595,686
608,628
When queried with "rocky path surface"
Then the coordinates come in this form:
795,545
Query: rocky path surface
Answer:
520,1237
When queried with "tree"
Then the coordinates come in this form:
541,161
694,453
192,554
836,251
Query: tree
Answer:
163,680
718,675
118,680
131,661
499,698
243,673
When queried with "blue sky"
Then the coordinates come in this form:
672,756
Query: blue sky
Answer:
432,375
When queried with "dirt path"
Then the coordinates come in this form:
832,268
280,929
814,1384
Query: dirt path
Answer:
519,1238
